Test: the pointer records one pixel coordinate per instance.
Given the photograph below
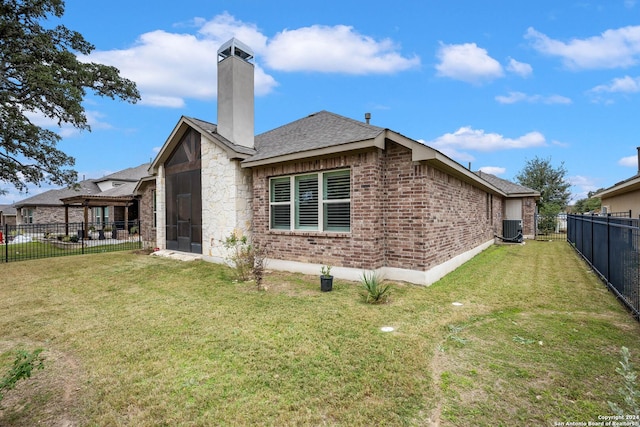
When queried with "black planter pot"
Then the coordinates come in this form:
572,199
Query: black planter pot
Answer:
326,283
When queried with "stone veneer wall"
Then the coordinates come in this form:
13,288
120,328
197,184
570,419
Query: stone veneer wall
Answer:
161,209
404,214
226,199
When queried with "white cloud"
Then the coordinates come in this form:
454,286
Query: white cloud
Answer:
582,185
520,68
170,67
477,139
514,97
619,48
631,161
624,84
629,4
493,170
467,62
334,49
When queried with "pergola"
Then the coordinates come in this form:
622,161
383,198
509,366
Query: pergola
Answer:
93,201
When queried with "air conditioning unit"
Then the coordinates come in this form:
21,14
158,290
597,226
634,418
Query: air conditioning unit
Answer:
512,230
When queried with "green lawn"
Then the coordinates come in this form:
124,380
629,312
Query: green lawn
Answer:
34,250
137,340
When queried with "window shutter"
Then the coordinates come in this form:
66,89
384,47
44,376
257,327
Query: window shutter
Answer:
307,202
281,203
337,201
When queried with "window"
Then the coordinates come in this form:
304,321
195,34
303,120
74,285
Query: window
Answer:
27,216
318,202
155,208
97,215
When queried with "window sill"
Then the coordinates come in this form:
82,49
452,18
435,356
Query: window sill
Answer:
307,233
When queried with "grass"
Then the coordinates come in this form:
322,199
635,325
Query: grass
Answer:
139,340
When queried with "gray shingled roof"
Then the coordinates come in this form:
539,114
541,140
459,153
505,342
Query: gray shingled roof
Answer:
89,187
8,210
52,197
131,174
212,129
507,186
319,130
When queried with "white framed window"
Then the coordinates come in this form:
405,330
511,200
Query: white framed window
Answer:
315,202
27,215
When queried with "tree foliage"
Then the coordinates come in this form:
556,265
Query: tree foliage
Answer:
43,77
550,181
589,204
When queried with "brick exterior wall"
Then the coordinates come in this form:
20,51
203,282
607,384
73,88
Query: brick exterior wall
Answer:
528,217
403,214
52,214
147,230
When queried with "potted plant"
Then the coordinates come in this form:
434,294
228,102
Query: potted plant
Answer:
326,279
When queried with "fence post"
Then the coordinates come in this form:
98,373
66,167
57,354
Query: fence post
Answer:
6,243
83,236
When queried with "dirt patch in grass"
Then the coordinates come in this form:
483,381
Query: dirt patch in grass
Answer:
50,397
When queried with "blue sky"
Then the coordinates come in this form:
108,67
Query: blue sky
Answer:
491,83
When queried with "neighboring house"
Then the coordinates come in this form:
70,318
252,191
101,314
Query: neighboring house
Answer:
324,189
623,197
7,215
102,201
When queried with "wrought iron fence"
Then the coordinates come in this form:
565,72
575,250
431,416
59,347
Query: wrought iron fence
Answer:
32,241
551,227
611,245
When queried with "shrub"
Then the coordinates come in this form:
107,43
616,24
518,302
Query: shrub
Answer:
375,292
628,391
241,254
22,367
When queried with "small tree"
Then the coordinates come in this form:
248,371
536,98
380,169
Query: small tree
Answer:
550,181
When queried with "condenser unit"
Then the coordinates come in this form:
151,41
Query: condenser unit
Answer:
512,230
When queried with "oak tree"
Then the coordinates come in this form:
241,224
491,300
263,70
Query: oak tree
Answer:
42,76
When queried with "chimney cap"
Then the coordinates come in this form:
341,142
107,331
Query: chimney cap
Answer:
235,47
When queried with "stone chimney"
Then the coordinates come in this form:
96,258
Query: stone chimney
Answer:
235,93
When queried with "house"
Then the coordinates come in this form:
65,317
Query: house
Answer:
324,189
623,197
7,215
109,199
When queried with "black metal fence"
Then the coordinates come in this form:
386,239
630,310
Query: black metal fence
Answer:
32,241
611,245
551,227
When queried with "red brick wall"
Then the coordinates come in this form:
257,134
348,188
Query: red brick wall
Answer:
404,214
361,248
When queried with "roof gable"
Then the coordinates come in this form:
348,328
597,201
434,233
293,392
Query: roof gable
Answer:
316,131
207,130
